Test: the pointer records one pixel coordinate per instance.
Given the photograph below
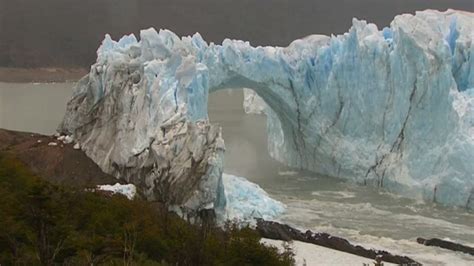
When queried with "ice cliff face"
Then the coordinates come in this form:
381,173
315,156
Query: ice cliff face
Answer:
391,108
115,119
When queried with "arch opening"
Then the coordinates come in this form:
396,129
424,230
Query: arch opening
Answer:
245,135
284,127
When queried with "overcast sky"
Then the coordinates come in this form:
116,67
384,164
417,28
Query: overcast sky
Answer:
69,31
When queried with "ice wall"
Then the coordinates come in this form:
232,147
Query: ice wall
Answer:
390,108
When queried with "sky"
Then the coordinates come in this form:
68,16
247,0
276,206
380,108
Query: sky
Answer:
67,32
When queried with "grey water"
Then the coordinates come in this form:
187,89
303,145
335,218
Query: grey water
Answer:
33,107
364,215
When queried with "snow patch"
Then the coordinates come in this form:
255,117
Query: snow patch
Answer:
127,190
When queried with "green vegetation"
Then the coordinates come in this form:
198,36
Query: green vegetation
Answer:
44,224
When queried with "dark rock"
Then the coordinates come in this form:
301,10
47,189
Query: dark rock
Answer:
436,242
274,230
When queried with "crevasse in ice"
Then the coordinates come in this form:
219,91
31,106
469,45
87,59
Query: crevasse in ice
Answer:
388,107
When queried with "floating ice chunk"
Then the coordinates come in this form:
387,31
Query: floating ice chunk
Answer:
245,201
287,173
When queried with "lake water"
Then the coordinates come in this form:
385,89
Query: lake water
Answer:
33,107
364,215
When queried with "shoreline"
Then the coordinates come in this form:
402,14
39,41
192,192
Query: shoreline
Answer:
41,75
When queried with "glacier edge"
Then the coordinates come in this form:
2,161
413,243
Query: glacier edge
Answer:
391,108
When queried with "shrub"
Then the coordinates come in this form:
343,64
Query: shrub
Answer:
45,224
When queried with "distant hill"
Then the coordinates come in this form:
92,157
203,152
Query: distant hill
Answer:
66,33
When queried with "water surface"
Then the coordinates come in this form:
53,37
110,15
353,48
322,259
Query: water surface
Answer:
33,107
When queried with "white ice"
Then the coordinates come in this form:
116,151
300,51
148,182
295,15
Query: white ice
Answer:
128,190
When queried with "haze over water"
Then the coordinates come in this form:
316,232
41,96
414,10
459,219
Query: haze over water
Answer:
67,33
364,215
33,107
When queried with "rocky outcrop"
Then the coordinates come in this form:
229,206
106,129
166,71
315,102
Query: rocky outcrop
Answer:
277,231
436,242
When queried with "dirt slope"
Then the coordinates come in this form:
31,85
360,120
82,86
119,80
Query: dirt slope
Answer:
60,164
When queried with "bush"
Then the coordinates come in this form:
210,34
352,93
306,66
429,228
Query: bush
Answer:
44,224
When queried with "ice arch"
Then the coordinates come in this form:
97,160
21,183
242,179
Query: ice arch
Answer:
391,108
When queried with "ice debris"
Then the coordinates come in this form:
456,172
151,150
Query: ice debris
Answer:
244,201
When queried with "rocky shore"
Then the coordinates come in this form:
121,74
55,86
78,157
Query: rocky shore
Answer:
436,242
277,231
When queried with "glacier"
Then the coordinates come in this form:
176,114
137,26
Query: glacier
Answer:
391,108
